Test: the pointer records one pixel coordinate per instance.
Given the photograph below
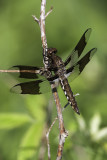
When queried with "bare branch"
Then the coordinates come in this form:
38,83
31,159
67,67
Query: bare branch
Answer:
42,24
35,18
51,9
63,132
47,135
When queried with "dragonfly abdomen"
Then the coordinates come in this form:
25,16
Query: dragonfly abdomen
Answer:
68,93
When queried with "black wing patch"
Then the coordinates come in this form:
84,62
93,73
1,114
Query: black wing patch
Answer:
76,53
32,87
84,61
29,72
74,71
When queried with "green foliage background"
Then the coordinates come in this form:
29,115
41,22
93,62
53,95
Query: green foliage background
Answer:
23,118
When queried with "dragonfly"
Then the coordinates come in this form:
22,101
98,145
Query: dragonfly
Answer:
58,70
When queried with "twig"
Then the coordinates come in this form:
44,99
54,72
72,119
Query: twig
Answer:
63,133
41,22
35,18
47,137
50,128
49,11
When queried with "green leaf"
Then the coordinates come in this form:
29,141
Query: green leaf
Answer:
95,124
36,106
10,121
101,134
30,142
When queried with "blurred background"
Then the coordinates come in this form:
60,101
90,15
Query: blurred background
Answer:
24,119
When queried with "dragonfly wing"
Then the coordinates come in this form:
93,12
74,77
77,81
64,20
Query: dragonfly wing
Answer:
32,87
76,53
29,72
74,71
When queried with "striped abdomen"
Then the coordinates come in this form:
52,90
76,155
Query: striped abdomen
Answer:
68,93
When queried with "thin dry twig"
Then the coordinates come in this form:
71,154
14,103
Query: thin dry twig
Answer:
51,9
63,132
50,128
35,18
56,118
41,22
47,137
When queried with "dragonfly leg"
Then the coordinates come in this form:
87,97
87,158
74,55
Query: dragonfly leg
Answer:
77,94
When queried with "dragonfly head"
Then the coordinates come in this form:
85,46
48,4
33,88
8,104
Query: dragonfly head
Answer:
51,51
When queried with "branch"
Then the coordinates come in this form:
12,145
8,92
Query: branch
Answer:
35,18
49,11
41,22
47,137
49,130
63,133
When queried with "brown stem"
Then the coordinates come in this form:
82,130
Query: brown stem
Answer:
42,24
63,133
